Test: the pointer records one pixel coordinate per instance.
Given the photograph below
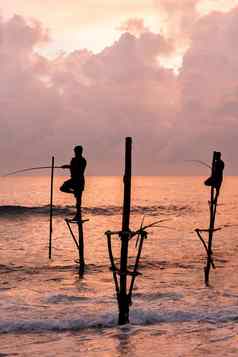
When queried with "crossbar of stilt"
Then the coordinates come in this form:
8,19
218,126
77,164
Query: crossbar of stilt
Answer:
76,220
142,234
207,230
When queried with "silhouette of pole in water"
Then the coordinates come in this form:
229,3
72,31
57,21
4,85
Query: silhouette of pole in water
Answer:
123,300
214,181
80,241
124,295
80,234
51,205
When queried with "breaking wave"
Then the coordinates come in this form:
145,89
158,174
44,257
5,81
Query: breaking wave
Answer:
137,317
13,210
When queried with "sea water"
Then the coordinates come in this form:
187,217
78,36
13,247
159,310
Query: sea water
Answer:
47,310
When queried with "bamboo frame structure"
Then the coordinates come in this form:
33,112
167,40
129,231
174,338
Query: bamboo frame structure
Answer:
214,194
121,274
79,241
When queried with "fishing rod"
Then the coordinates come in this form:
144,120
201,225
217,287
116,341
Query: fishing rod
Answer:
200,162
31,169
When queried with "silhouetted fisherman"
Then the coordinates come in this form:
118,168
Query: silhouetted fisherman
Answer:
215,180
75,184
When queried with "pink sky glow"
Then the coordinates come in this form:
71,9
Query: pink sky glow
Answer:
92,72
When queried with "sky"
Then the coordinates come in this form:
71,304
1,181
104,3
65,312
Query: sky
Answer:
164,72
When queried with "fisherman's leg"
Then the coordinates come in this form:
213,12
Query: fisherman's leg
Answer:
208,181
217,192
67,187
217,186
78,197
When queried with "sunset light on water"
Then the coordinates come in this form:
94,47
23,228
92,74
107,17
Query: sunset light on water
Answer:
105,92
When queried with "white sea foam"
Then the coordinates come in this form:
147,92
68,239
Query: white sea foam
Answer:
138,317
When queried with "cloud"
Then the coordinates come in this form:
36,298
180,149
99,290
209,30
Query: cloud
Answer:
121,91
48,106
178,17
28,104
134,26
209,92
96,100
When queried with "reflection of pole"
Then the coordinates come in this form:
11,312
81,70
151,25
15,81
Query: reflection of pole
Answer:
80,233
51,204
123,300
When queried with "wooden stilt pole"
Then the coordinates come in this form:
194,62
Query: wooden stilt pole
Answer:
123,300
51,206
213,203
121,273
215,181
80,234
78,238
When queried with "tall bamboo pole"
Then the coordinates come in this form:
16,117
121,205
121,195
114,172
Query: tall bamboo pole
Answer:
123,300
51,205
80,234
213,203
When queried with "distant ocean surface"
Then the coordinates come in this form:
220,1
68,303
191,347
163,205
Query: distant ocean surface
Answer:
46,310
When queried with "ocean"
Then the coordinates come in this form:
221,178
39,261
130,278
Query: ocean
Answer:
46,309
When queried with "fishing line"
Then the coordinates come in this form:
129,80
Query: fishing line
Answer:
31,169
200,162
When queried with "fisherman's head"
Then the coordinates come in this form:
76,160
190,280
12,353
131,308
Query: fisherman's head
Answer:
78,150
218,155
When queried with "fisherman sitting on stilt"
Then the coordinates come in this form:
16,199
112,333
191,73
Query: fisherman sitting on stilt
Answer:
215,180
75,184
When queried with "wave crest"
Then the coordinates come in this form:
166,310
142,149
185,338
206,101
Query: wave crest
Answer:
154,210
138,317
